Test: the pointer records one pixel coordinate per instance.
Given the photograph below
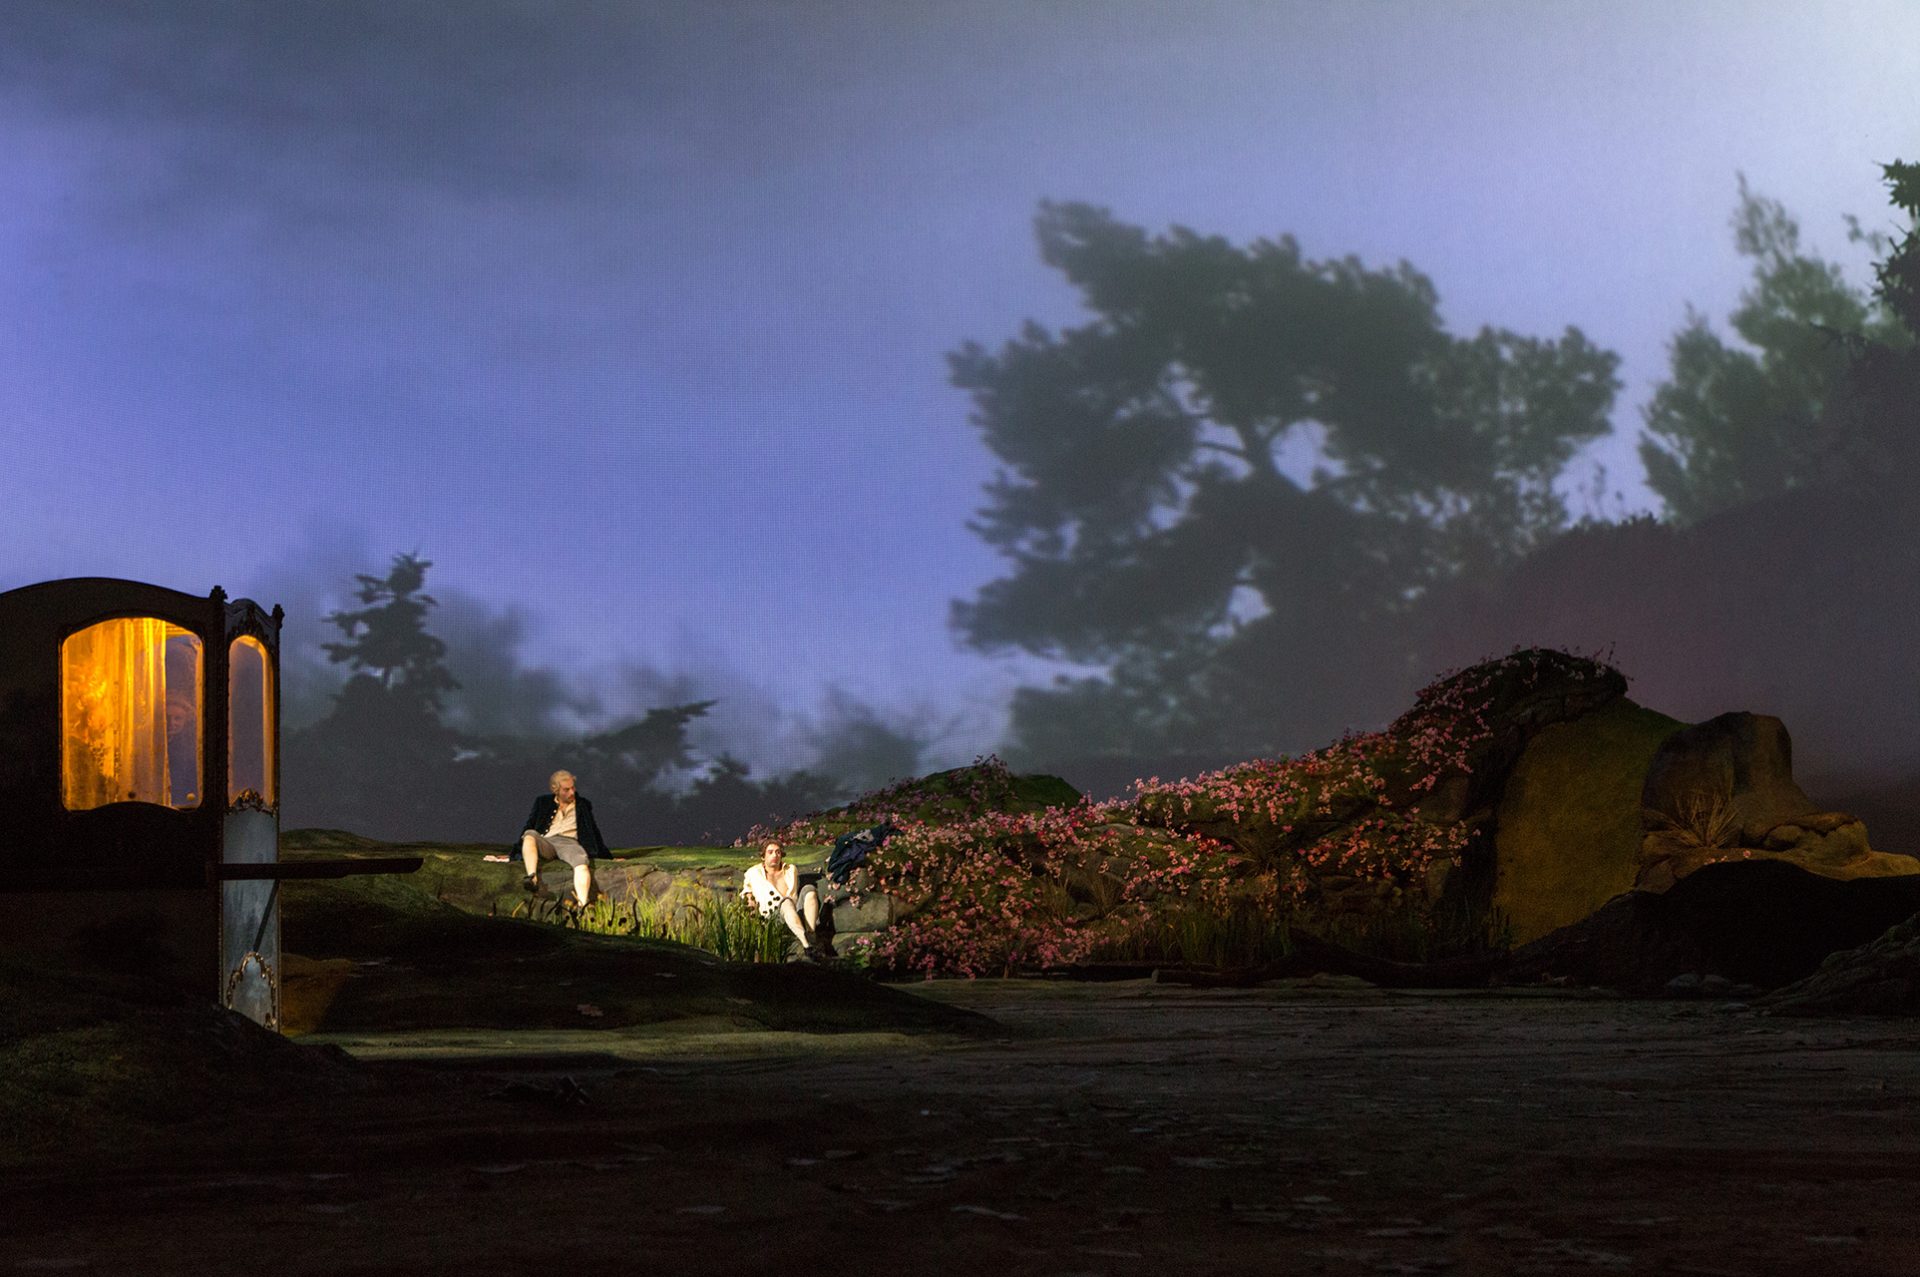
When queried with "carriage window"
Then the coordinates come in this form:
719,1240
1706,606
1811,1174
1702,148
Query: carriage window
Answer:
249,723
131,714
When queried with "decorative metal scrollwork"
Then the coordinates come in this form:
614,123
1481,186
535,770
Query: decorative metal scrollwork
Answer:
245,617
250,800
239,972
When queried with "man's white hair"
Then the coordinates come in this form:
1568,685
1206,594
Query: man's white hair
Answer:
553,781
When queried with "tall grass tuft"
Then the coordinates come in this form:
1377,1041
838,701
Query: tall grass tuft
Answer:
1253,932
1417,932
1245,933
1698,821
730,929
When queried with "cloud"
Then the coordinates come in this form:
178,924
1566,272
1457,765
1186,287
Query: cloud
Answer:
307,578
500,693
487,98
865,747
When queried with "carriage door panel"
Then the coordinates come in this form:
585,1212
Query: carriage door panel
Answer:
249,909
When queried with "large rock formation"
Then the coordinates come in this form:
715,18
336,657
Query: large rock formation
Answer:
1368,824
1531,787
1724,789
1516,798
1567,833
1881,978
1764,923
1626,799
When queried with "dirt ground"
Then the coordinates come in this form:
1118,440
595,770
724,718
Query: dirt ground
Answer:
1125,1128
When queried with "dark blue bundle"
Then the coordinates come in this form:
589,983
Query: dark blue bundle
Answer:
850,850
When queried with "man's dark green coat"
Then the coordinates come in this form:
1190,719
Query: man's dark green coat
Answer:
587,833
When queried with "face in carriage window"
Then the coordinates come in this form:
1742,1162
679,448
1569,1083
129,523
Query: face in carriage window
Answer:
132,714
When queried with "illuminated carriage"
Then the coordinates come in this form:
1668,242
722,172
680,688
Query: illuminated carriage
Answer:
140,785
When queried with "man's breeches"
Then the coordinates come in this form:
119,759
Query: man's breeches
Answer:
561,848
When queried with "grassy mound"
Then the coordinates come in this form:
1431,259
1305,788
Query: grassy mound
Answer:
380,953
1383,841
985,787
94,1060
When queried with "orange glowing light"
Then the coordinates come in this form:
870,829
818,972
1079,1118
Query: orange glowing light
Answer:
249,722
132,697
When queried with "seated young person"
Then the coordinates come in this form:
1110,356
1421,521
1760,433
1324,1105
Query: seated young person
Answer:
774,885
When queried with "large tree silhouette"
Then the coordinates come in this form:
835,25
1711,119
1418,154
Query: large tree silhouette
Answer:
1738,422
1873,427
386,639
1223,489
1797,602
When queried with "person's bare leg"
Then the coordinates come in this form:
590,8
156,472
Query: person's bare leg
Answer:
583,883
791,917
810,899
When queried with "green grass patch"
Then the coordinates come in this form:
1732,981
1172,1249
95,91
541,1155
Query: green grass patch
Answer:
338,842
731,929
806,855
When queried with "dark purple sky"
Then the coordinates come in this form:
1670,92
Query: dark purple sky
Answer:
634,314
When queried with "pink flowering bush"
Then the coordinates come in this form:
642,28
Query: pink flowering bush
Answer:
1007,891
1360,833
1382,807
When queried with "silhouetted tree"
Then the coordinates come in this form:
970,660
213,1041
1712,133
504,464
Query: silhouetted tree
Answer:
646,751
1873,428
379,761
384,763
725,802
388,639
1225,487
1795,603
1736,423
1898,274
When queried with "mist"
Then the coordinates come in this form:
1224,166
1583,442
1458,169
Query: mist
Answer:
674,336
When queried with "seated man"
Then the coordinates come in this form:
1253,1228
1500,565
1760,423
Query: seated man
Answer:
561,827
774,884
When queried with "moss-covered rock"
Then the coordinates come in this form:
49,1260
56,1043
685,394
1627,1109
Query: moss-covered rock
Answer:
1400,819
1724,790
649,880
1567,832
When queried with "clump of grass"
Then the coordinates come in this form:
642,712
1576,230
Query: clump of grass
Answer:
1419,933
1093,890
1247,933
735,932
1244,933
731,930
1699,821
